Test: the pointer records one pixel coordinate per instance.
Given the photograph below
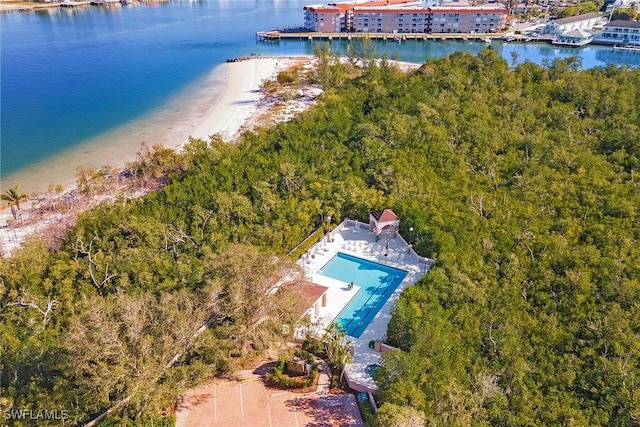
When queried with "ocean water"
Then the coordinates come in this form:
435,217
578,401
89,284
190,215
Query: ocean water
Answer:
77,81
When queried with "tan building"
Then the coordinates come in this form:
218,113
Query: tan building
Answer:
486,18
338,17
402,16
387,20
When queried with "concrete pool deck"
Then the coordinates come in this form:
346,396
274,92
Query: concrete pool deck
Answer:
353,238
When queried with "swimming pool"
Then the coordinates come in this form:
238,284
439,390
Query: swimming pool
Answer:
377,283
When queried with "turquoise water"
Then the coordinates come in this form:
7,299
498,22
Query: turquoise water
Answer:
377,283
70,75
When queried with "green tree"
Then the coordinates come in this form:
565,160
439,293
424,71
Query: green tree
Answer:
400,416
337,347
14,197
120,347
362,52
629,13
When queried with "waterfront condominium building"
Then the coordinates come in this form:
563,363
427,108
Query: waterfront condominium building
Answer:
338,17
397,16
619,33
586,22
332,18
391,20
485,18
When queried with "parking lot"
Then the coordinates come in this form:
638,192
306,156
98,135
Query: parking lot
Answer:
248,403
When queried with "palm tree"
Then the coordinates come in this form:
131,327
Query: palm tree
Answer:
13,196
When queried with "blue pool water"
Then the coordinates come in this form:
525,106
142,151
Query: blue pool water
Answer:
377,283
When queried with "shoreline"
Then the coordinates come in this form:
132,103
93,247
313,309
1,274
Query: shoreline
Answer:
220,102
227,101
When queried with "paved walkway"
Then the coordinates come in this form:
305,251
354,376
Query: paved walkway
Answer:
324,380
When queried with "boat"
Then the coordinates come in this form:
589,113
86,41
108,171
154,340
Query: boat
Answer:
628,48
487,40
574,43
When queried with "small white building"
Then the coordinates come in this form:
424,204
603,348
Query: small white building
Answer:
565,25
619,33
574,38
308,299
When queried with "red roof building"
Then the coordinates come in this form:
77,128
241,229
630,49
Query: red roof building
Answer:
385,221
337,17
308,297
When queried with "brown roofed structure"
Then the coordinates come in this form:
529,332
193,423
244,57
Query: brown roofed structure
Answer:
385,215
305,294
343,7
385,221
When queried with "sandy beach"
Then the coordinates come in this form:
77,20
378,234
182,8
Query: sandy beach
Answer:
223,102
220,102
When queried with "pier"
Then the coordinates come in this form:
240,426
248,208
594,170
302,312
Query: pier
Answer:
397,37
69,3
522,38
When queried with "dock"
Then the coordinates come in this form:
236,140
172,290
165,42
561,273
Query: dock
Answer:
69,3
522,38
276,35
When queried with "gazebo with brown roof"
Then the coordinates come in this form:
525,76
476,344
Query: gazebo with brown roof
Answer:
385,221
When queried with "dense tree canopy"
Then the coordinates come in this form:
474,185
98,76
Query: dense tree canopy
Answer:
580,8
521,182
629,13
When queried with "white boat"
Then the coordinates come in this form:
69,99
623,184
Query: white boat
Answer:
628,48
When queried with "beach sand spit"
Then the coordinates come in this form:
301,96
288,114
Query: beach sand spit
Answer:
207,108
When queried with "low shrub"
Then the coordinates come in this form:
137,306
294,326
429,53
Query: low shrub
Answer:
306,244
314,346
280,379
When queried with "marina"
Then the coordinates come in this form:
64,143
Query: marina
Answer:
276,35
488,38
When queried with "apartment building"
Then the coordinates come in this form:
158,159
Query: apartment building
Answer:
486,18
406,17
337,17
332,18
619,33
383,20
